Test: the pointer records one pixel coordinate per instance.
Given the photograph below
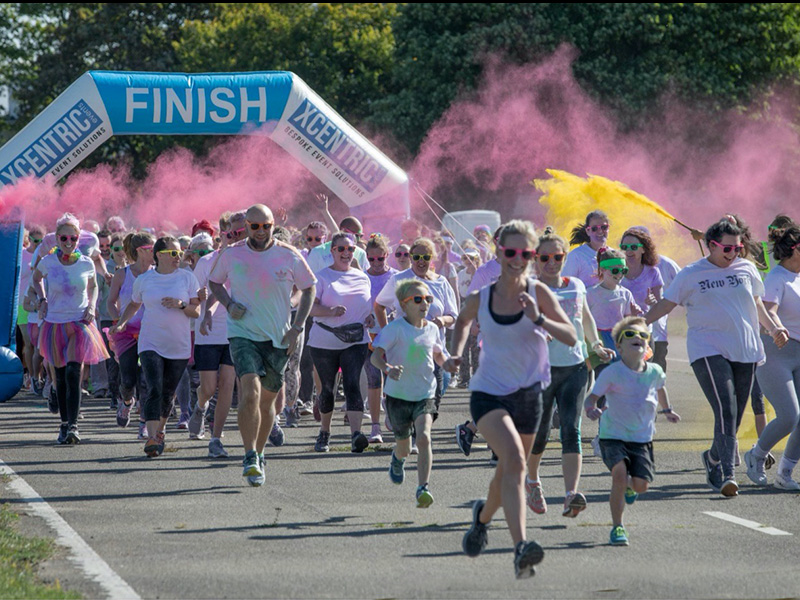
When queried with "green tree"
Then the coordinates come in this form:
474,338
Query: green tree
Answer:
717,56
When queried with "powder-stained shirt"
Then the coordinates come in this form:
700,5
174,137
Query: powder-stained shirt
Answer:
67,295
582,263
413,348
350,289
609,307
782,287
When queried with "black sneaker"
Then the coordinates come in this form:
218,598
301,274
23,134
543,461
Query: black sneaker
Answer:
62,434
321,444
526,556
359,442
73,437
475,539
464,438
714,477
52,400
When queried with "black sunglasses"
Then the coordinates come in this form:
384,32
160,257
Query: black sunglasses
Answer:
314,239
617,270
401,254
257,226
72,238
343,248
374,258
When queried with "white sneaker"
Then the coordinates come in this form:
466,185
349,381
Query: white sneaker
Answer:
755,468
375,436
786,483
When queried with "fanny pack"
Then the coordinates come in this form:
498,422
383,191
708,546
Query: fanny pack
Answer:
349,334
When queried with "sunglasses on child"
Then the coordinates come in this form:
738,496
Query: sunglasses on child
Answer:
596,228
36,240
232,234
71,238
416,257
632,333
401,254
631,247
726,249
546,257
527,253
172,253
374,258
618,270
343,248
419,299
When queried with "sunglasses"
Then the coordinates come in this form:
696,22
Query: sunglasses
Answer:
631,247
343,248
527,253
232,234
419,299
71,238
618,270
202,253
632,333
729,248
172,253
546,257
374,258
117,248
425,257
596,228
401,254
257,226
35,240
314,239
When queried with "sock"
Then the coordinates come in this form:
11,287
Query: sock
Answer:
531,481
759,453
786,466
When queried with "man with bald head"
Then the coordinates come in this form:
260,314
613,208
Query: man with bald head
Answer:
262,273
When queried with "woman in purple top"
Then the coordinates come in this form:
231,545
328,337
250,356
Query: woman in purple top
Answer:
643,279
591,235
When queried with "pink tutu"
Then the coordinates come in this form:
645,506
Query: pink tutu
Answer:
79,341
33,331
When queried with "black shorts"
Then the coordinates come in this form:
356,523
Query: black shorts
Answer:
638,457
209,357
524,406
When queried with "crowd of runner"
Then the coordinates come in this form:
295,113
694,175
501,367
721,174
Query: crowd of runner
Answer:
285,324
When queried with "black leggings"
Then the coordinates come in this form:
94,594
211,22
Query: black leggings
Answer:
163,376
68,390
727,386
350,361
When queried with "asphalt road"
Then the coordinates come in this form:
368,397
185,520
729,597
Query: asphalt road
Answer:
334,526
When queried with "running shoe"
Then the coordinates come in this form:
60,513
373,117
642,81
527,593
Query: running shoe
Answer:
124,413
769,461
729,488
292,416
323,439
397,470
62,433
755,468
630,495
785,482
358,442
197,422
183,421
526,556
375,436
52,400
464,438
619,536
161,442
151,447
424,496
37,385
216,449
258,479
46,387
73,437
535,497
276,436
574,503
713,472
251,465
305,408
142,431
476,538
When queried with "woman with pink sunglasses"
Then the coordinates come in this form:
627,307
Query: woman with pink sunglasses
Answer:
591,235
722,296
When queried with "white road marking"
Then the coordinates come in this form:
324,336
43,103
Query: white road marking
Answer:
81,553
680,360
745,523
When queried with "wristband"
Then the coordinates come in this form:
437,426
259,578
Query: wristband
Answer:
539,320
183,305
386,370
665,411
297,329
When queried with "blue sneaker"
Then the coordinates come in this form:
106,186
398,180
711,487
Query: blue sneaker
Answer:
619,537
276,436
424,496
397,470
630,496
258,479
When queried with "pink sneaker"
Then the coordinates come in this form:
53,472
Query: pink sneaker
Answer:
535,497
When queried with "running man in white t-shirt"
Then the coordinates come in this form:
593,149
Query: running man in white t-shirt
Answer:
262,273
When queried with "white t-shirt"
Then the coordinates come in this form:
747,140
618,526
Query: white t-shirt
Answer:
166,331
444,298
25,274
571,298
609,307
582,263
413,348
485,275
782,287
219,317
464,281
631,402
350,289
668,269
262,282
88,243
720,309
67,296
320,258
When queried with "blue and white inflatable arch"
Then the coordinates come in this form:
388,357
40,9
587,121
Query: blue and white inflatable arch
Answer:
277,104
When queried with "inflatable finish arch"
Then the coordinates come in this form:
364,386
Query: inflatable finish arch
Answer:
277,104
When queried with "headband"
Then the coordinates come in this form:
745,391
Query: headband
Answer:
612,262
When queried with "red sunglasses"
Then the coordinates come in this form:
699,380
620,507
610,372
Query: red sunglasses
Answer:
527,253
727,248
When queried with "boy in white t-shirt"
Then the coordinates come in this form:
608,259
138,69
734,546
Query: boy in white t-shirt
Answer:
405,351
633,388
